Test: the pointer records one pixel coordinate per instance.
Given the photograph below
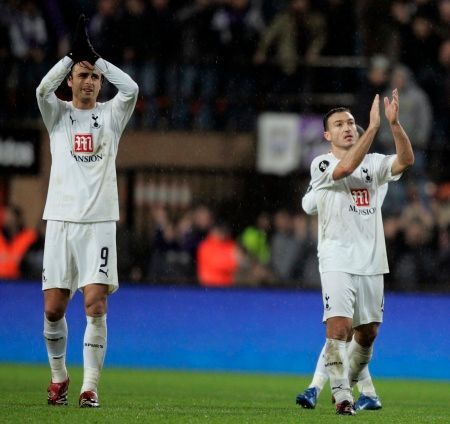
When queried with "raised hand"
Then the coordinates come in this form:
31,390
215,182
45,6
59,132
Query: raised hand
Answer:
375,113
76,52
391,108
82,49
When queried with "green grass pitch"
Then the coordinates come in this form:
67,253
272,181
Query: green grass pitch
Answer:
147,396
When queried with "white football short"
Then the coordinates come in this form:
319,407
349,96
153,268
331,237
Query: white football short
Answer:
359,297
78,254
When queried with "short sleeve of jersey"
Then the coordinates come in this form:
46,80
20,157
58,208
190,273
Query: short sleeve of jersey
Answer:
383,167
322,169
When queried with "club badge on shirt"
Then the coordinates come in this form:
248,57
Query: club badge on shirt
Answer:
365,175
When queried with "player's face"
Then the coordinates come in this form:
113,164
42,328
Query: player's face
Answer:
341,130
85,82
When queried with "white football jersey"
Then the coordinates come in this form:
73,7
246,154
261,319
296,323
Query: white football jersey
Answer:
309,203
83,145
351,234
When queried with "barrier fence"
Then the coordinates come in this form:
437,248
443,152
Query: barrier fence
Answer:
232,330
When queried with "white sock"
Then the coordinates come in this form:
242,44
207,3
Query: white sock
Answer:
55,334
320,376
365,383
336,364
359,357
94,349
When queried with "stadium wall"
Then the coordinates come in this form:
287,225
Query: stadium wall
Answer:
234,330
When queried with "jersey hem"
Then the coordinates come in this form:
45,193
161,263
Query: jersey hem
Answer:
353,272
77,221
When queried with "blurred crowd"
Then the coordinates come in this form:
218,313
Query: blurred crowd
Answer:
195,246
213,64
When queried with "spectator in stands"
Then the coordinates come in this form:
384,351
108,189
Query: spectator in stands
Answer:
419,46
162,52
240,24
437,85
401,13
185,261
202,222
375,27
29,39
105,34
444,257
416,210
340,18
132,251
58,32
170,258
255,239
441,206
254,267
5,71
198,66
15,241
162,240
377,80
426,7
134,27
296,36
443,22
252,273
285,248
416,117
417,263
270,8
306,267
105,31
311,275
218,258
394,246
164,255
32,263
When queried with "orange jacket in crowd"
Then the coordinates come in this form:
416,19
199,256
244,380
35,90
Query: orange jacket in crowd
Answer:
13,251
217,261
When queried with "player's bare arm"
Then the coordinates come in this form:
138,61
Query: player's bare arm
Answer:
405,154
351,159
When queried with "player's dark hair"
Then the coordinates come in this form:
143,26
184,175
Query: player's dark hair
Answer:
360,130
102,77
332,112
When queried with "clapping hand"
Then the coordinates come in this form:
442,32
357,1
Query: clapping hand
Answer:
391,108
82,49
375,113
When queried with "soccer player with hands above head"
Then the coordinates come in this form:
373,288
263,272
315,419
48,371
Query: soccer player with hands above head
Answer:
368,398
349,185
82,206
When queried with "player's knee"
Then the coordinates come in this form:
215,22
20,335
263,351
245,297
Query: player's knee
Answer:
95,307
338,334
365,335
338,328
95,300
54,312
